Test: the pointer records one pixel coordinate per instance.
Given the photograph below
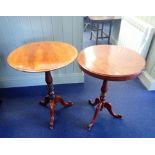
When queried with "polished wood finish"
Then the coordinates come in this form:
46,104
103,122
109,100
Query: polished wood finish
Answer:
51,98
109,63
42,56
102,103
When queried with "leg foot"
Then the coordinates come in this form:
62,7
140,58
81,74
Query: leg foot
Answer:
97,100
45,101
95,115
60,99
108,106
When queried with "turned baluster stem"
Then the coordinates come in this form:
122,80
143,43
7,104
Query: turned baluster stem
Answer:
104,89
50,87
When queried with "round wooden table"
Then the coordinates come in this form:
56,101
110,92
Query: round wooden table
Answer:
109,63
44,57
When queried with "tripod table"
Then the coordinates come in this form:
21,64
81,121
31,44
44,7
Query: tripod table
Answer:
109,63
44,56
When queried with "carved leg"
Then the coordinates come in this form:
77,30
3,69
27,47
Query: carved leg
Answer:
95,115
50,88
108,106
101,103
52,98
51,113
60,99
104,89
45,101
97,100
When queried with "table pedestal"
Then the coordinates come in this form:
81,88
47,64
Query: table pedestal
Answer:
51,98
101,103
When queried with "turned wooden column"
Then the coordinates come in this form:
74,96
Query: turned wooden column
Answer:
50,89
104,89
51,98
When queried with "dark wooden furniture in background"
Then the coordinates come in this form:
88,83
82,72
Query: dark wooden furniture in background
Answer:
109,63
96,31
44,57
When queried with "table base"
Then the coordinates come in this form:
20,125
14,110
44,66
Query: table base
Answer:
101,103
51,98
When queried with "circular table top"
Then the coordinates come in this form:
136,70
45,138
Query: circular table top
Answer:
42,56
111,62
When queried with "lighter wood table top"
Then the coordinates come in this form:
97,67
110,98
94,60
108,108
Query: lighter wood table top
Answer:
111,62
42,56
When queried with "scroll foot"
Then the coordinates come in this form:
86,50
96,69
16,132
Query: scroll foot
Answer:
108,106
97,100
60,99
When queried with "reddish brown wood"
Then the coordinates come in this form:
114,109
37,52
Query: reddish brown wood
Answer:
98,108
52,98
108,106
111,62
52,104
101,103
60,100
50,88
44,56
97,100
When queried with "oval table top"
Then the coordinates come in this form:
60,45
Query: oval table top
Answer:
42,56
111,62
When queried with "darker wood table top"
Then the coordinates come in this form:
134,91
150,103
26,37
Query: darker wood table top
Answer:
42,56
111,62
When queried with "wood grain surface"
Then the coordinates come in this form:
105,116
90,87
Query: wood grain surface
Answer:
42,56
111,62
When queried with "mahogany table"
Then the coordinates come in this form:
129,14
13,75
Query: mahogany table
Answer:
109,63
44,57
